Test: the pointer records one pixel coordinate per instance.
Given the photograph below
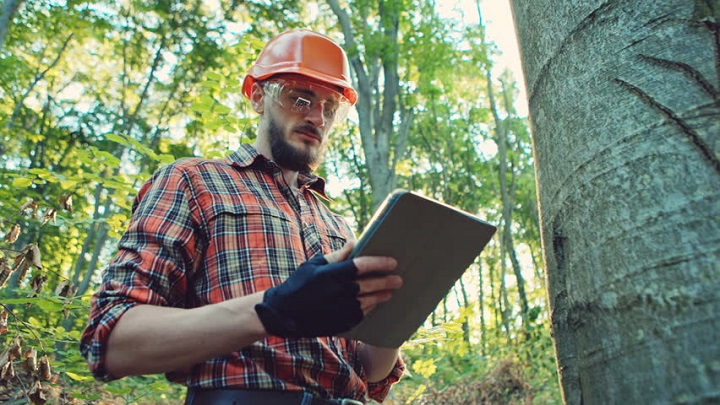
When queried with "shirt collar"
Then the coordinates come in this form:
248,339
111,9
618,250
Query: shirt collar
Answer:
246,156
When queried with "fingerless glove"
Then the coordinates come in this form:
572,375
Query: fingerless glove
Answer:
318,299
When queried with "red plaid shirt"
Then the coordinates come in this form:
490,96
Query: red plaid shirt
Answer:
206,231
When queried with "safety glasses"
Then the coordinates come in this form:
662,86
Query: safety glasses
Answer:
302,97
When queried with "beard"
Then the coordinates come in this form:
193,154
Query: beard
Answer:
288,156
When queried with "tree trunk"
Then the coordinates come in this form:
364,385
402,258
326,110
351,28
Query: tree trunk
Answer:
508,201
9,7
464,306
625,110
379,103
481,308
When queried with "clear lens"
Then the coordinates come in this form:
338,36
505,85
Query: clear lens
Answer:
303,97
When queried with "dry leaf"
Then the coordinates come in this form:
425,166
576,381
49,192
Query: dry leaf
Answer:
36,394
5,271
29,256
31,360
15,350
62,288
13,235
3,322
66,289
30,207
50,215
21,264
45,373
36,284
7,372
4,358
35,258
66,202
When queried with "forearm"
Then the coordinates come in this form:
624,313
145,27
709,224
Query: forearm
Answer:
151,339
377,362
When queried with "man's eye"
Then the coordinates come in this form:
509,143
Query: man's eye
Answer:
330,106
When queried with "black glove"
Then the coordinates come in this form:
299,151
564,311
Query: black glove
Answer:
318,299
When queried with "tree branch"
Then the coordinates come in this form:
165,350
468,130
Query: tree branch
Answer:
39,76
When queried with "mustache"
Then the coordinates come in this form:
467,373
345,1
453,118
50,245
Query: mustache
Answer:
309,128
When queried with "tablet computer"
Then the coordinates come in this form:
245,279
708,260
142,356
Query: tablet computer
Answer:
434,244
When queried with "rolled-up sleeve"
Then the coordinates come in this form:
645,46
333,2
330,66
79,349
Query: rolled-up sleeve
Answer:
379,390
154,258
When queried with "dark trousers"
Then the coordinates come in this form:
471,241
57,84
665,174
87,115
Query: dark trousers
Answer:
248,397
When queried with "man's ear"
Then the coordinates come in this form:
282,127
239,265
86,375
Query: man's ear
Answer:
257,98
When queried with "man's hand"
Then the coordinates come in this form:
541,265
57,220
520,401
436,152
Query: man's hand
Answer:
327,295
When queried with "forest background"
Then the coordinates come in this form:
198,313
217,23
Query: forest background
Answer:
96,95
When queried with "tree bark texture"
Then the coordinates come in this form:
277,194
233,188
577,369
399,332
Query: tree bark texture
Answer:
625,114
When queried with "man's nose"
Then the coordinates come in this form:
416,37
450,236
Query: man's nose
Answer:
316,115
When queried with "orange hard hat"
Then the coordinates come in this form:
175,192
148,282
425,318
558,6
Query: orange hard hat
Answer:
303,52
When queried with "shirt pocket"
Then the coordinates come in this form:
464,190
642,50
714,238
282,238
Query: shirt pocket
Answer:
252,247
335,239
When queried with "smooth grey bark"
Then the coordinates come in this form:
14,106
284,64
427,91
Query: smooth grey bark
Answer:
625,116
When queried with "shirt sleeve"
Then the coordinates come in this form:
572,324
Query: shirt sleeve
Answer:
380,389
154,258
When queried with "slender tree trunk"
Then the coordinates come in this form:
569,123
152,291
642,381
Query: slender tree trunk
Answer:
466,318
39,75
9,7
444,310
481,308
508,205
625,110
496,303
379,103
506,196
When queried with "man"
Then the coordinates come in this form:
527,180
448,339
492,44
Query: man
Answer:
233,276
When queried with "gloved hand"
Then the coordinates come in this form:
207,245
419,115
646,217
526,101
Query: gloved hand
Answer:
318,299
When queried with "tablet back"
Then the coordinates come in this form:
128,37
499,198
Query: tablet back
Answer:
434,244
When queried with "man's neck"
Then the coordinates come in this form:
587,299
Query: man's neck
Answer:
290,176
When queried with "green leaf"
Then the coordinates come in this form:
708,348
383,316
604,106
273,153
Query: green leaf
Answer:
206,100
200,107
20,301
84,396
78,377
33,321
68,184
214,76
221,109
210,84
40,172
22,182
118,391
166,159
49,306
214,124
117,139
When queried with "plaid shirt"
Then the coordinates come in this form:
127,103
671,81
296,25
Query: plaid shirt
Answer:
206,231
